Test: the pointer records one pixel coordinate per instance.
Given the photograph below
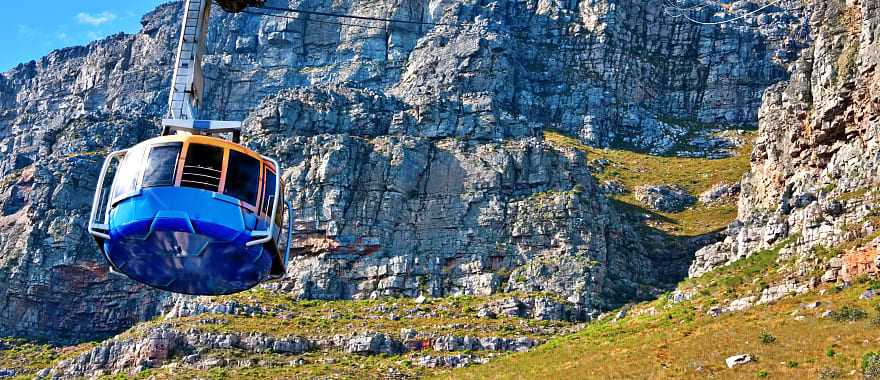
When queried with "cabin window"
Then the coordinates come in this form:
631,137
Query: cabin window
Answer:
269,192
242,177
161,165
279,218
125,181
202,167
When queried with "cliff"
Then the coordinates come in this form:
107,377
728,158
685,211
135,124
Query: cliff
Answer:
415,154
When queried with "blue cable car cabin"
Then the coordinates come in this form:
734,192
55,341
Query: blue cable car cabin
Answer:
191,214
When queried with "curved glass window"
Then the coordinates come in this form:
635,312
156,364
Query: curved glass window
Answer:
269,192
125,181
242,177
161,165
279,216
202,167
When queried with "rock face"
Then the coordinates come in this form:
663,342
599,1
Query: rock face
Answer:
665,198
414,152
163,344
815,162
720,193
479,215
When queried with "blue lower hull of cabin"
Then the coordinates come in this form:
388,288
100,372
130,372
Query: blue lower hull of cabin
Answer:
187,241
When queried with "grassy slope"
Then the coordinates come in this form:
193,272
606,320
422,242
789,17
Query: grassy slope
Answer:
310,318
685,343
317,320
682,341
694,174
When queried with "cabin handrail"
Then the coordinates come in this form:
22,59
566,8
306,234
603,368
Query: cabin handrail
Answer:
96,201
268,233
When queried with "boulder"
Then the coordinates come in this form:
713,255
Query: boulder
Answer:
737,360
665,198
721,192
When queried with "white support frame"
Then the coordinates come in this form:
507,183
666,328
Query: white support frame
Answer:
94,228
269,233
187,82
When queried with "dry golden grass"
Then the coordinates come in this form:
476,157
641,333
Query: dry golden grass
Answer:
694,174
682,342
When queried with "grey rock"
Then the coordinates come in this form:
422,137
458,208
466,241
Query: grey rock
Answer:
719,193
486,313
613,187
373,344
816,183
540,308
776,292
454,361
679,296
830,275
739,304
667,198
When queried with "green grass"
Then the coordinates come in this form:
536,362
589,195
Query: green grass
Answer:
28,358
335,365
747,276
854,194
696,175
316,320
310,318
682,342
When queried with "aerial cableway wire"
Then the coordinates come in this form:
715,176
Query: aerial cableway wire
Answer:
312,20
683,12
356,17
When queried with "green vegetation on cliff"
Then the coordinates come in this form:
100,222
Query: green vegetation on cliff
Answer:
695,175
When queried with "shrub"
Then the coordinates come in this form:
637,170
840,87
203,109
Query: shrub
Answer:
791,364
830,352
762,374
767,338
871,365
848,314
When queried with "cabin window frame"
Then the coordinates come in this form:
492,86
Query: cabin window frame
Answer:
220,180
255,207
136,154
174,173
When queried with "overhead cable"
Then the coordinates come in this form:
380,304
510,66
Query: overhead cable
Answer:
356,17
312,20
740,17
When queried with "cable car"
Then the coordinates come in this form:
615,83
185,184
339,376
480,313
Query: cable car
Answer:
191,214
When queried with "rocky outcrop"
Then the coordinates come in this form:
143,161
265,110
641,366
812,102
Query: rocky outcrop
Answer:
480,215
540,308
163,344
815,159
53,275
722,192
666,198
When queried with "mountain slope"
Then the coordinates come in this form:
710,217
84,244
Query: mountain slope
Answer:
442,121
794,283
466,191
